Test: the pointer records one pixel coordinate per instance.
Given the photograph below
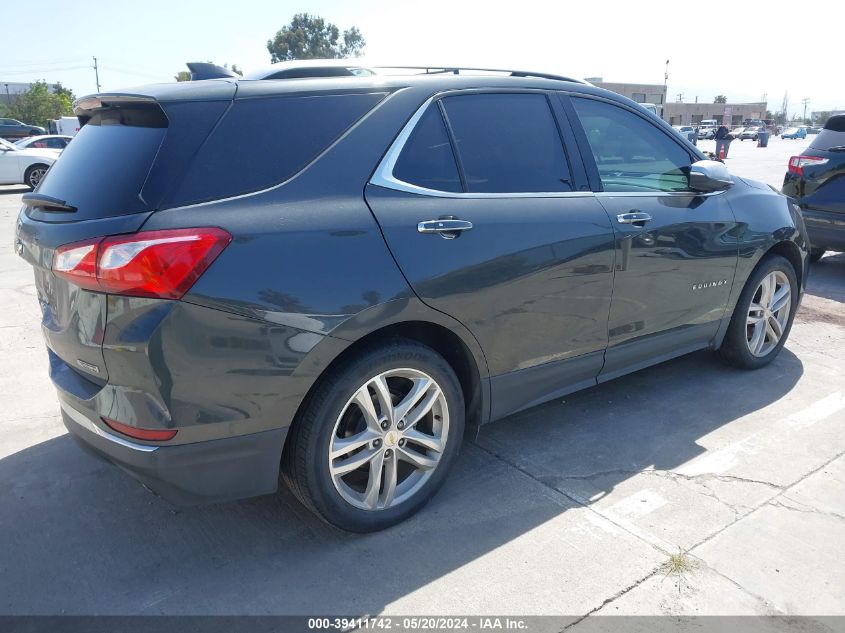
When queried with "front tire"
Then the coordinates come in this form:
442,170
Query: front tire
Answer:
763,315
34,174
377,437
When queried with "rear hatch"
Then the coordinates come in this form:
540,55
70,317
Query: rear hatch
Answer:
118,169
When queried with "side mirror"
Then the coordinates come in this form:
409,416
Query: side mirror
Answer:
708,176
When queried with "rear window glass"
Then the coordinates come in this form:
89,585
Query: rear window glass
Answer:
427,159
263,141
832,135
508,143
101,173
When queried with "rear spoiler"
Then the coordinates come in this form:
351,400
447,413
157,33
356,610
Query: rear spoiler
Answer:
203,70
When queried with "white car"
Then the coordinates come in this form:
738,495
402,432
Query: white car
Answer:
688,132
45,141
24,166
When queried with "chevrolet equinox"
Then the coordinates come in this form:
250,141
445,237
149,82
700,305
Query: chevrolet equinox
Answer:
330,278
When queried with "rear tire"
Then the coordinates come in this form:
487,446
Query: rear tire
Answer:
404,449
763,315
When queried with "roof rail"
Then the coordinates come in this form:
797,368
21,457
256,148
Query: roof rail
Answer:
456,70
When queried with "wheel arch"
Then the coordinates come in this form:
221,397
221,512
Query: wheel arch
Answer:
787,249
429,327
29,169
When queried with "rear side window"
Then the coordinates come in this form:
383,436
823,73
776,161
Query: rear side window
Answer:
831,136
264,141
427,159
101,173
631,154
508,143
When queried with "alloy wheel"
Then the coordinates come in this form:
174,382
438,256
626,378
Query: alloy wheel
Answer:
35,176
388,439
768,313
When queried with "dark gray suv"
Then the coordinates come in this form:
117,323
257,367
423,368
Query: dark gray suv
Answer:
333,278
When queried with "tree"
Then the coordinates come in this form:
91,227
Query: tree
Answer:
311,37
720,99
38,105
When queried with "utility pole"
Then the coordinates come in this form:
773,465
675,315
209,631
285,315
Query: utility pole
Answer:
680,97
8,96
96,74
665,79
805,101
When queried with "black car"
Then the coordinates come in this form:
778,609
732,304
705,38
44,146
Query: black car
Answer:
12,129
816,179
335,277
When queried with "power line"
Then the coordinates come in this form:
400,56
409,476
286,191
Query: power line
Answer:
130,72
41,70
27,65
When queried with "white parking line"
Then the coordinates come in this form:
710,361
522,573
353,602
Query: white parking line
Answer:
817,411
725,458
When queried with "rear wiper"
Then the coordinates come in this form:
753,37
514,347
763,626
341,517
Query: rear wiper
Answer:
47,203
838,148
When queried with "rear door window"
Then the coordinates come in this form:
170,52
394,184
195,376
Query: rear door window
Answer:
508,143
631,153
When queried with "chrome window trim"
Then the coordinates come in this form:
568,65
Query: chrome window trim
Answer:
83,421
656,194
383,175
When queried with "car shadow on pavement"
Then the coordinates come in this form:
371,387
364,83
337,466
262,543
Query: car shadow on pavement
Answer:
826,275
81,537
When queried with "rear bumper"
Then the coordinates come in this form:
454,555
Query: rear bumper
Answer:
188,474
826,229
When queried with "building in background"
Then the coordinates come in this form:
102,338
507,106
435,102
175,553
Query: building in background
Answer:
641,93
683,113
730,113
9,90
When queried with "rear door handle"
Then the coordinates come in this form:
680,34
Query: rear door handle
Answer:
637,218
448,228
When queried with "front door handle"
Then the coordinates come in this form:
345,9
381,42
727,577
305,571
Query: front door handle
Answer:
637,218
446,227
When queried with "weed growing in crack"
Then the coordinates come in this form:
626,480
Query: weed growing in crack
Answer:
679,566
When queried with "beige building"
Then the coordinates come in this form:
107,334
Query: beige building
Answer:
694,113
641,93
683,113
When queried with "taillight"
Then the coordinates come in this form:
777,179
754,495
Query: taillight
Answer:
163,264
798,163
150,435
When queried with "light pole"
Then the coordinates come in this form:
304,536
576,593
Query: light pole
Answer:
805,101
8,96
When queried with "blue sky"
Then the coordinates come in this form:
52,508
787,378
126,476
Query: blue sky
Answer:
143,42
